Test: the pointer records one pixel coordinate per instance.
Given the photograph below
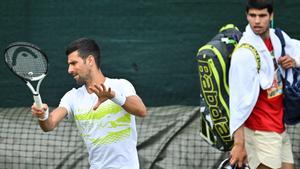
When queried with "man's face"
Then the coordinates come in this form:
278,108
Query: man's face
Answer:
78,68
259,20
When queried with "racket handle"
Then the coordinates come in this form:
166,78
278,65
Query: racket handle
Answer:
38,101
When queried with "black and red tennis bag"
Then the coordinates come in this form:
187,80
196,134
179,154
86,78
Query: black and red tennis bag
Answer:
213,65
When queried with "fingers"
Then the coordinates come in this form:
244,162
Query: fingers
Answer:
102,92
38,112
238,156
97,104
287,65
97,89
35,108
237,162
103,87
240,164
109,91
100,87
233,160
286,62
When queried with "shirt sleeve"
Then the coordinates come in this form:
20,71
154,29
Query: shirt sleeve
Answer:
66,102
296,51
292,47
128,89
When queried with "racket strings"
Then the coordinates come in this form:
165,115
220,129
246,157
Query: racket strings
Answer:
26,61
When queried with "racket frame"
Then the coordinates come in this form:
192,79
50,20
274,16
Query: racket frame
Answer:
36,92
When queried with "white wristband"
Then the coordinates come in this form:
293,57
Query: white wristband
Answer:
119,99
46,115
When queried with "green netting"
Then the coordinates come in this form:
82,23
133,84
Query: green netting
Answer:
168,138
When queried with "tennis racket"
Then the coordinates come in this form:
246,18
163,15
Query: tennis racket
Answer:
29,63
225,164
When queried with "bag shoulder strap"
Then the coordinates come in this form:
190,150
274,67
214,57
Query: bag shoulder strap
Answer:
279,34
254,51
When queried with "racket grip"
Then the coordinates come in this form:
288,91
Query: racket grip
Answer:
38,100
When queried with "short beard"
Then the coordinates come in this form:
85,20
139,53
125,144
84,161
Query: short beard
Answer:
83,80
80,82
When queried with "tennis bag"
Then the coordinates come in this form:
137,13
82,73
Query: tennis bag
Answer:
213,65
291,90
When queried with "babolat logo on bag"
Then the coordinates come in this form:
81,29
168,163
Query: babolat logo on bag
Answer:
213,65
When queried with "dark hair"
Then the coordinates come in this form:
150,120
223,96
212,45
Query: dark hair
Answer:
260,4
85,47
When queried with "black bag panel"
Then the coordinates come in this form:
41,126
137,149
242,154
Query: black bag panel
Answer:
291,91
292,99
213,65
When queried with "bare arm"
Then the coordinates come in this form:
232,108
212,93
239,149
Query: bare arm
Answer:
55,117
135,106
238,151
